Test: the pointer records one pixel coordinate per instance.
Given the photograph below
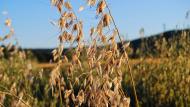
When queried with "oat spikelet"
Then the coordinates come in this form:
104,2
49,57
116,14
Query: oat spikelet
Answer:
106,20
59,7
67,93
68,5
101,6
80,97
8,22
62,23
91,2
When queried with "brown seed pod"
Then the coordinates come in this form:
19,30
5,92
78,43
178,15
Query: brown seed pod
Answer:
101,6
62,23
106,20
59,7
68,5
71,16
75,27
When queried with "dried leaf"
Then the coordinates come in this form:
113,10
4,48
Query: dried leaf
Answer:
101,6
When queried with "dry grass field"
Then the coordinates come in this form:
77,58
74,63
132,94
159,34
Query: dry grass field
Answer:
133,62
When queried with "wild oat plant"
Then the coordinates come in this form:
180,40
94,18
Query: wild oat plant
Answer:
95,81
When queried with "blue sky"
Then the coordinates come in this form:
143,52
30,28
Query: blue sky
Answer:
31,18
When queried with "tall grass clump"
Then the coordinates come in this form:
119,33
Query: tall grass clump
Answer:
164,79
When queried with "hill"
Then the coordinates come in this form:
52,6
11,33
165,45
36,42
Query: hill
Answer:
139,47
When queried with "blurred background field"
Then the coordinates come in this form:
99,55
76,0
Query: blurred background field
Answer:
160,64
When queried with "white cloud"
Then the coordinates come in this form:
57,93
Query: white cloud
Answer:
4,12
